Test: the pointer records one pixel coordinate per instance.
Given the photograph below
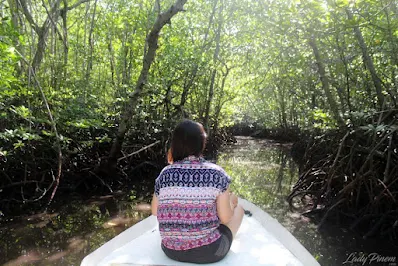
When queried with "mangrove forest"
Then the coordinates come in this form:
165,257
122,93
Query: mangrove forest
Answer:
90,91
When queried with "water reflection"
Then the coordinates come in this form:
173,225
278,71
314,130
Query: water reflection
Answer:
64,238
264,173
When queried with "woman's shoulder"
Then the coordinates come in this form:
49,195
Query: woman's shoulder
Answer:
204,165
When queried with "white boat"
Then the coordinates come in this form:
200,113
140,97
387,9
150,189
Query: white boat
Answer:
261,240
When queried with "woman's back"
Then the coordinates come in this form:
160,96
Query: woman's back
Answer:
197,214
187,211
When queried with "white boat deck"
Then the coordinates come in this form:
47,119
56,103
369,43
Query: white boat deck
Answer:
261,240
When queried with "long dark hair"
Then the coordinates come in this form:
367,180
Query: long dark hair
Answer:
189,138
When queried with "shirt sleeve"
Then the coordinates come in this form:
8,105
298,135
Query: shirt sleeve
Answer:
158,181
225,181
157,186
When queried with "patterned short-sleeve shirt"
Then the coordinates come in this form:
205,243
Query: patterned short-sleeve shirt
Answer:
187,212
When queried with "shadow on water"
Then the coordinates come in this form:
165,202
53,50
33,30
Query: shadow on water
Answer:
262,172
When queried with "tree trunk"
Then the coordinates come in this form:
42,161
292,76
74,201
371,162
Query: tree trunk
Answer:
282,101
128,110
111,60
343,58
13,5
339,90
220,102
65,33
206,122
42,32
325,82
367,60
127,56
213,75
189,84
186,88
91,44
394,57
167,100
53,58
125,50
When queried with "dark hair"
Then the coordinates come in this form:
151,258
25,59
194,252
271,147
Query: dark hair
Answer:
189,138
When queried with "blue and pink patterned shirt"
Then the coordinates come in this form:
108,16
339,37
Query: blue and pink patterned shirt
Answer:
187,212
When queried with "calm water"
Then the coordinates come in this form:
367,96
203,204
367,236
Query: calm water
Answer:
262,172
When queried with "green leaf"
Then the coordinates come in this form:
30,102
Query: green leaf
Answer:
18,145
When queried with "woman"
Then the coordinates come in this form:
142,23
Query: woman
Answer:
198,215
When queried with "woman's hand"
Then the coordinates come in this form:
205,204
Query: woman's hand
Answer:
234,200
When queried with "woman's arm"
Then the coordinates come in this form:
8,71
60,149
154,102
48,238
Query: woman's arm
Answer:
226,203
154,205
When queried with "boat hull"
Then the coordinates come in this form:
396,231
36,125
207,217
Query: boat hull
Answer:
261,240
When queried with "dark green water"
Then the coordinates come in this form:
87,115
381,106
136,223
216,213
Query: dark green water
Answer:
262,172
65,237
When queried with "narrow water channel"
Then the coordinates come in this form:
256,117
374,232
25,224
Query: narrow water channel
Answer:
262,172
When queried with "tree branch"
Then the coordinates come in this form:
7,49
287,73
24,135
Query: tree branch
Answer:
28,16
149,57
140,150
75,5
